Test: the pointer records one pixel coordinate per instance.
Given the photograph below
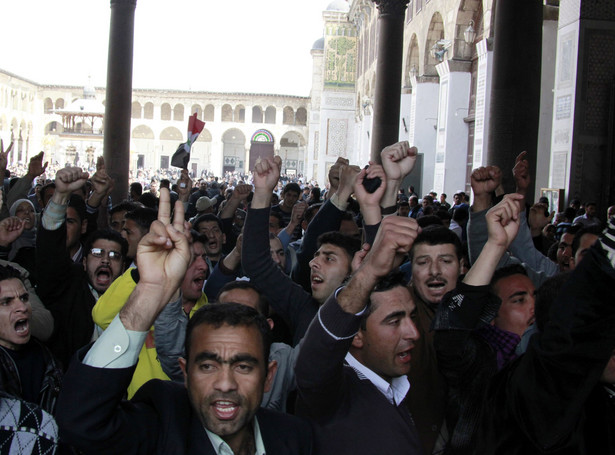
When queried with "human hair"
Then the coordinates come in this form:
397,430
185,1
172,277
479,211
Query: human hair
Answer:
77,203
279,216
403,204
165,183
124,206
392,280
349,244
44,189
461,215
438,235
7,272
263,303
207,217
315,192
292,186
444,215
106,234
429,220
587,204
593,229
311,212
570,214
149,200
197,237
137,188
143,217
234,315
505,272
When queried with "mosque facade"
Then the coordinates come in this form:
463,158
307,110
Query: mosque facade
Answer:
66,122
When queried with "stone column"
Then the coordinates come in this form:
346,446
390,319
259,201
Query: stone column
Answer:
388,75
451,152
484,77
423,128
119,95
515,94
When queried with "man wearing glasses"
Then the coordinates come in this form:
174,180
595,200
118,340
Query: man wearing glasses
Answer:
70,290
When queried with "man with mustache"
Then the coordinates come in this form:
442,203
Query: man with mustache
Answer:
70,290
351,371
225,368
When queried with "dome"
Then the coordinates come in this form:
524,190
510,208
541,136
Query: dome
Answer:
339,5
86,106
319,44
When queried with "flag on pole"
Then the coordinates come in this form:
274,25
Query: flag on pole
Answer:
182,156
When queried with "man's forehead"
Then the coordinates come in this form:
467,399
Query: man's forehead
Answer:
425,249
513,284
208,224
567,238
10,284
198,248
106,244
329,248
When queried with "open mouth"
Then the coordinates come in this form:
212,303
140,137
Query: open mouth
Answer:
22,327
436,285
404,356
103,276
225,410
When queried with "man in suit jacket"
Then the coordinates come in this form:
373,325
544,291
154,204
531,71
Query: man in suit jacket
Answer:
225,371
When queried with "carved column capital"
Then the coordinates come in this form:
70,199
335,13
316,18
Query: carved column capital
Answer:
393,7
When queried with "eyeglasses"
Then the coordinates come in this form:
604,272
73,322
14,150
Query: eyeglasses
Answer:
112,255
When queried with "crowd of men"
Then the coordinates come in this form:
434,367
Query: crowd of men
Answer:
184,320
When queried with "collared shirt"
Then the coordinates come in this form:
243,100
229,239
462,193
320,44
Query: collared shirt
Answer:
395,392
503,342
222,448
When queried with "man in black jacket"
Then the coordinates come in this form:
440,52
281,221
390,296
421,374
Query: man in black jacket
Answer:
225,371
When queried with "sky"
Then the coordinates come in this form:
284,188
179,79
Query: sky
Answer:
243,46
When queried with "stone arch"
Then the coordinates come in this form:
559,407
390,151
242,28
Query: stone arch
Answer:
234,150
227,113
54,128
178,112
240,114
136,109
413,61
288,116
469,11
292,152
60,103
205,136
165,111
148,111
171,134
257,114
48,106
301,116
199,111
209,113
142,132
270,115
434,34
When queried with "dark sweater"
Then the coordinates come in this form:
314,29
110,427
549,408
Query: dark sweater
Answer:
350,414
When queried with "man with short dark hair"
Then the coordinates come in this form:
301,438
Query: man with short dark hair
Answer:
290,196
27,369
226,371
136,225
589,218
70,290
351,371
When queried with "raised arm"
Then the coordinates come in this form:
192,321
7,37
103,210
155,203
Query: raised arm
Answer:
398,160
287,298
